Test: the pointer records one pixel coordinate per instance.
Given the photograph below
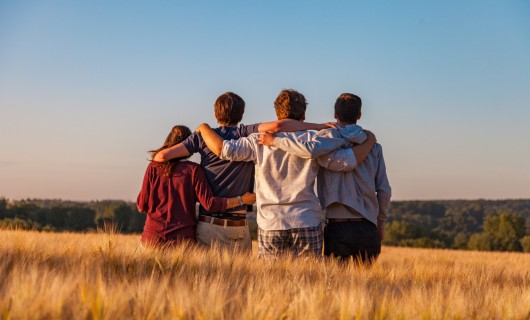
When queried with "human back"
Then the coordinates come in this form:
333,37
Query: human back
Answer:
227,179
356,203
285,186
357,188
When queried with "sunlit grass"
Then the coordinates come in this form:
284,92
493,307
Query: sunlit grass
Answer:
109,276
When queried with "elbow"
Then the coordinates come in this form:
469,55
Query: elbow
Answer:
160,157
277,127
217,152
273,127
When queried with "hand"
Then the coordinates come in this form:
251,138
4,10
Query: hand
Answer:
249,198
370,137
330,125
266,138
201,126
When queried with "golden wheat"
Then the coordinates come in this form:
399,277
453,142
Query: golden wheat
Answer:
109,276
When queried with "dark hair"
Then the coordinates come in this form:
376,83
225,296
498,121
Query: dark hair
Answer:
348,108
176,135
290,104
229,108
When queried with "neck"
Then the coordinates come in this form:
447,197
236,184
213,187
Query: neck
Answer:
226,124
343,124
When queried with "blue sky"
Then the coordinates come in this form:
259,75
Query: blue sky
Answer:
86,88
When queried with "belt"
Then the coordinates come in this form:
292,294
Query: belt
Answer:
223,222
346,220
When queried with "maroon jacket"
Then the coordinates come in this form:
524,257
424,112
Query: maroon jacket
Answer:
169,202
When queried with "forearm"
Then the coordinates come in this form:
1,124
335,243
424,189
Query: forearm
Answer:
289,125
246,199
311,149
361,151
211,138
176,151
232,203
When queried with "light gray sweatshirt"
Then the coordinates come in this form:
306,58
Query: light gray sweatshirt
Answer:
365,189
285,195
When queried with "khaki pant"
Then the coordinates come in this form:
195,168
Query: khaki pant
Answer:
237,238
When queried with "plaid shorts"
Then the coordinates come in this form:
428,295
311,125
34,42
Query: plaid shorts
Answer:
295,242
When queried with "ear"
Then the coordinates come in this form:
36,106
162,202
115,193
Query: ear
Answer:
359,117
215,115
335,116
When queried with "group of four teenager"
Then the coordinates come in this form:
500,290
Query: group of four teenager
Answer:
281,161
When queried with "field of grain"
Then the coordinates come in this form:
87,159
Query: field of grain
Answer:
108,276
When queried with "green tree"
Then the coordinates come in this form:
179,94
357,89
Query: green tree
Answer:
460,241
501,233
79,218
398,231
480,241
525,243
3,208
17,223
122,217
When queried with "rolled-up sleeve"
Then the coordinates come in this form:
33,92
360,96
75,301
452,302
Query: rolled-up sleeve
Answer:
308,149
242,149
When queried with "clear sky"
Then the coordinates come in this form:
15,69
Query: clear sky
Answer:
87,87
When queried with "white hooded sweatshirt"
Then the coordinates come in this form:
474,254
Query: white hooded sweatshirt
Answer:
364,189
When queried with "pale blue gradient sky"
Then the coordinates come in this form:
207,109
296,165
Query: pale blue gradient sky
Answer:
86,88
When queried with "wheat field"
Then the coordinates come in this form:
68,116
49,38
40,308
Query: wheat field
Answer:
109,276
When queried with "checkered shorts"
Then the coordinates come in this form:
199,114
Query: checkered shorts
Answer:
295,242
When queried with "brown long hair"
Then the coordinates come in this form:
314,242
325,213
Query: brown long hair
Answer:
177,134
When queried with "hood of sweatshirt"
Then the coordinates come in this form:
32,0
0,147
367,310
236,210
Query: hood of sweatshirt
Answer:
353,133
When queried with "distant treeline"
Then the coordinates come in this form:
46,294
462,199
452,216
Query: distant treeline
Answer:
491,225
61,215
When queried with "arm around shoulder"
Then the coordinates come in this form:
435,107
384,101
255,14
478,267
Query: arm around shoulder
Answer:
290,125
211,138
176,151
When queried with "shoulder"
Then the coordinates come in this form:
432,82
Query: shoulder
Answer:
253,137
377,149
190,165
246,130
191,142
153,164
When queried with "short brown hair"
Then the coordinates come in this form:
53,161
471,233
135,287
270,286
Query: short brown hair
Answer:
290,104
229,108
348,107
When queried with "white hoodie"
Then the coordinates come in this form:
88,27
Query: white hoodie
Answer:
365,189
